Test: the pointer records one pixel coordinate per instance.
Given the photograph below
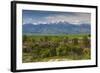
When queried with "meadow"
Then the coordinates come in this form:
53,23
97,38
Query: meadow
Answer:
45,48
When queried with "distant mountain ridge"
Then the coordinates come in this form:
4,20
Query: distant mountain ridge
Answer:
56,28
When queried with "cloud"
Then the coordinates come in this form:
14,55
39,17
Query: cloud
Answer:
75,18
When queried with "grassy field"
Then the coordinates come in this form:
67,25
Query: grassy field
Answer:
47,48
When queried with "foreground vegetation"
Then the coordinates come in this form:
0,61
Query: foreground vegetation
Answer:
55,48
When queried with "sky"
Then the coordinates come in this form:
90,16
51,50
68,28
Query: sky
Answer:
47,17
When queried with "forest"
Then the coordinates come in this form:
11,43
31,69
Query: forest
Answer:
46,48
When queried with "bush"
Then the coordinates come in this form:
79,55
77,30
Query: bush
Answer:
61,50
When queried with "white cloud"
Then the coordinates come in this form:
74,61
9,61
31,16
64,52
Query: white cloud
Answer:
77,18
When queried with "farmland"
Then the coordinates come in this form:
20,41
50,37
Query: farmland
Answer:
45,48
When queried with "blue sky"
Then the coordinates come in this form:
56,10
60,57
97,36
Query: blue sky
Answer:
47,17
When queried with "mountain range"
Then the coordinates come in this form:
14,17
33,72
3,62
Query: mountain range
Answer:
56,28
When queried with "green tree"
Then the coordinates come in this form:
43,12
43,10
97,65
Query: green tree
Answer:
66,39
86,42
24,38
75,41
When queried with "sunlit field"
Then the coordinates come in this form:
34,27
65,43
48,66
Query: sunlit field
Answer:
46,48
